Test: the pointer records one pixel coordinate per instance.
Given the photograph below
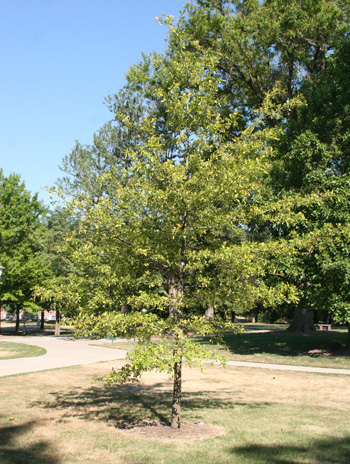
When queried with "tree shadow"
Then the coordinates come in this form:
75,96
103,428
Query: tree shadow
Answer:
11,452
322,451
279,343
133,403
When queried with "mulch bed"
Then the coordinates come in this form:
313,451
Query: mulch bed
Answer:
162,431
328,352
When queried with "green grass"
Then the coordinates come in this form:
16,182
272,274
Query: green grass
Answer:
10,350
286,348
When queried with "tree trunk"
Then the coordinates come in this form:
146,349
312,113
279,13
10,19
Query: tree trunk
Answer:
175,293
17,320
209,312
57,324
42,320
124,308
348,341
176,408
302,321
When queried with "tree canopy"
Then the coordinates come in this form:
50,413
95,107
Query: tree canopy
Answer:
221,180
21,243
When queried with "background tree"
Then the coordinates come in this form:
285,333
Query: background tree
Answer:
21,250
314,156
58,290
300,47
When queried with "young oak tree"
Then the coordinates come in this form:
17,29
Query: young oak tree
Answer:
168,212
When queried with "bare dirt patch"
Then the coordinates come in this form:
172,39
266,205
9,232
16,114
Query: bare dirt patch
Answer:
162,431
328,352
5,354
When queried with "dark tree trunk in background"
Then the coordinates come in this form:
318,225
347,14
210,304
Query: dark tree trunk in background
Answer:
303,321
42,320
57,324
17,320
348,341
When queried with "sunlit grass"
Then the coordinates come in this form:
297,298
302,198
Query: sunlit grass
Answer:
269,417
9,350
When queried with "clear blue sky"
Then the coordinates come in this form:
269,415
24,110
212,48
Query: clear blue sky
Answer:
59,59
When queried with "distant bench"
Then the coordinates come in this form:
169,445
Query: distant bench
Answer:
327,326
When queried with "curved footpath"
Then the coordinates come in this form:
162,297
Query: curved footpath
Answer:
288,367
63,352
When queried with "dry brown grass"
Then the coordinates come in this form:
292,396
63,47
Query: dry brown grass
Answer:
6,354
60,417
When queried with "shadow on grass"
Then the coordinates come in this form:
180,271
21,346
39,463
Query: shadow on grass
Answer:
280,343
33,330
11,452
326,451
132,403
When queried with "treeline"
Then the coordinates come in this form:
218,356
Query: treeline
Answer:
249,109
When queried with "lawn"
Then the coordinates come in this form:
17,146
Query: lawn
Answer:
287,348
267,417
9,350
275,347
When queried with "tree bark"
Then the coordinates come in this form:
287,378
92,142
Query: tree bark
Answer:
124,308
302,321
17,320
348,341
176,407
209,312
42,320
57,324
175,293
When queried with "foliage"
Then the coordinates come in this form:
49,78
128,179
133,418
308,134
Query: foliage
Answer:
174,342
303,49
165,236
21,243
314,157
59,289
206,191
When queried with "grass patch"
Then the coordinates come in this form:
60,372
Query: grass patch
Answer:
10,350
286,348
270,417
117,345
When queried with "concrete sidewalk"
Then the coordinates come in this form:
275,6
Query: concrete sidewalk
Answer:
61,352
288,367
